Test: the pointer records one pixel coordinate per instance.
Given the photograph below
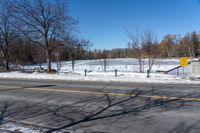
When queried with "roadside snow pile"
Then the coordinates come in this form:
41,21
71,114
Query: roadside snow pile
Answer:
102,76
18,128
12,127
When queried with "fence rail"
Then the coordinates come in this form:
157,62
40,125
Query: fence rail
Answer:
178,71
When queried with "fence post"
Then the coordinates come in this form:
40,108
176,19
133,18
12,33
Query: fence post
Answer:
57,65
178,72
115,72
147,73
85,72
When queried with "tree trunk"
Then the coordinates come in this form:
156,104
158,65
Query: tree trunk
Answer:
40,65
48,57
149,60
73,63
6,63
140,63
105,64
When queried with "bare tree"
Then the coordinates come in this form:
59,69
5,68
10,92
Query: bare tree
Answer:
195,38
103,58
135,45
75,45
7,32
188,43
150,47
43,22
169,42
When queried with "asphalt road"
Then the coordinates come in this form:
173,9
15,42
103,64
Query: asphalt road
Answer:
101,107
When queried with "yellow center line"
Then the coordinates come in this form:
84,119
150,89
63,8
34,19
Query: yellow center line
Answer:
117,94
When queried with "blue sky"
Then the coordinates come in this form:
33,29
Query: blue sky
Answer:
103,22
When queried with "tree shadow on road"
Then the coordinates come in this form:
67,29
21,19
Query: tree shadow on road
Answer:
184,127
85,109
114,107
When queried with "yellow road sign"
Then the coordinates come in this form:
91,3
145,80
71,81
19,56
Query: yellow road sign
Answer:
184,62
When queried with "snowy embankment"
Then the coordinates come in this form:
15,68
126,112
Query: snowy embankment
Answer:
102,76
12,127
127,72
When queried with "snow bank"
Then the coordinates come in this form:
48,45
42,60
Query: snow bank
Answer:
25,128
127,71
102,76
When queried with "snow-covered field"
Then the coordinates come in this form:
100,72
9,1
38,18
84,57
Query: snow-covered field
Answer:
122,65
128,71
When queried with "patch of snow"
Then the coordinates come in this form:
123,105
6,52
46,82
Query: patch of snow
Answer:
102,76
19,128
25,128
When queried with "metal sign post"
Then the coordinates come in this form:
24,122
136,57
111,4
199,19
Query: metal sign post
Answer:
184,63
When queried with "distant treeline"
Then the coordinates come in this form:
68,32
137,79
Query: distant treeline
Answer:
169,47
